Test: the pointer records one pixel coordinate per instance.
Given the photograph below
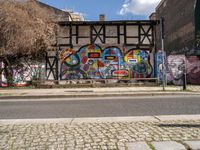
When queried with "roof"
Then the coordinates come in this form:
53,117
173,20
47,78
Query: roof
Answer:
161,2
116,22
48,6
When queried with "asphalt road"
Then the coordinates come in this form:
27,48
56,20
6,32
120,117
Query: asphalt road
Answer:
99,107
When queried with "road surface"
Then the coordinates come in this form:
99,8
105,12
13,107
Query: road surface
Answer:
99,107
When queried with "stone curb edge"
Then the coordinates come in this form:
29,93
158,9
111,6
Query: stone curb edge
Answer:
99,95
103,119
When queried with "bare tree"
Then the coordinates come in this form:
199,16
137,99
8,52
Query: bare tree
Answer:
26,33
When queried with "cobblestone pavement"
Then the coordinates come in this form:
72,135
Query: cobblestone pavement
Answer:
114,135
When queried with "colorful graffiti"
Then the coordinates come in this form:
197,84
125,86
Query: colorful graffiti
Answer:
193,70
159,65
139,61
91,62
177,65
176,69
24,76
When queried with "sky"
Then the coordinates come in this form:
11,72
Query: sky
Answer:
113,9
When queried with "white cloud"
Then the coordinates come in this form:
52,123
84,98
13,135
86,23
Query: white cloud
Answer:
138,7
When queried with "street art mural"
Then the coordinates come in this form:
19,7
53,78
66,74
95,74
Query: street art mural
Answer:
139,62
91,62
113,64
176,68
24,76
177,65
193,70
159,65
82,64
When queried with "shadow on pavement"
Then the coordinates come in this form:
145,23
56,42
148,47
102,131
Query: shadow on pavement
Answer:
179,125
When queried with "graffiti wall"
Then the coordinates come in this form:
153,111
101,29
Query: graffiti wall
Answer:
176,66
159,65
24,76
193,70
175,69
139,60
93,62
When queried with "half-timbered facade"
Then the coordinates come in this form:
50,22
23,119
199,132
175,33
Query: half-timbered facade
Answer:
103,50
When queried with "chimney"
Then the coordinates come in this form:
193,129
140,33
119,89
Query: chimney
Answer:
153,16
102,17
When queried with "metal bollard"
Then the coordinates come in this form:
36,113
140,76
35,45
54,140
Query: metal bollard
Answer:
184,82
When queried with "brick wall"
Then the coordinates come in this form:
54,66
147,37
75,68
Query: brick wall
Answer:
197,23
179,25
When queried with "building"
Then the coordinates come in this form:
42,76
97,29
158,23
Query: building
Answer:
75,16
153,16
58,14
182,26
103,50
55,13
181,40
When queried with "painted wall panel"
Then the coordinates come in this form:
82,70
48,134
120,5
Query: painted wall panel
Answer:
24,76
176,66
93,62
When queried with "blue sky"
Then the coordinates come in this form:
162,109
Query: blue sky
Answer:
113,9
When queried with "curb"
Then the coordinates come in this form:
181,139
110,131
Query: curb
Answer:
104,119
100,95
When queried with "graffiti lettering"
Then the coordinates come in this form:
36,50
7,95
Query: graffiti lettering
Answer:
91,62
120,73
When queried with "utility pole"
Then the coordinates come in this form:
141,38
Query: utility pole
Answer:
162,29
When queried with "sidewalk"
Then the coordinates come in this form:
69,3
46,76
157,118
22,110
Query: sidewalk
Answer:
126,133
85,92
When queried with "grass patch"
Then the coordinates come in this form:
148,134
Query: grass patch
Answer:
151,146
